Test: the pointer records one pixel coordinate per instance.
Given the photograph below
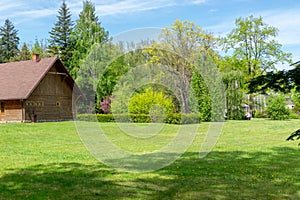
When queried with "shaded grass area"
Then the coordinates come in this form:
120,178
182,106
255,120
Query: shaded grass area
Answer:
252,160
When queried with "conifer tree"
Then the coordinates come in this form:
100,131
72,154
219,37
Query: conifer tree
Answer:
87,32
9,41
60,41
24,54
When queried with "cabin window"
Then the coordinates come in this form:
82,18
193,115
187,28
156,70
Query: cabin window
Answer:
39,103
2,107
58,104
30,103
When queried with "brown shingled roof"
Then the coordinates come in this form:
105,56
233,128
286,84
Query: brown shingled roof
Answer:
19,79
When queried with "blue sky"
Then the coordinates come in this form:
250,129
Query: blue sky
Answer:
35,18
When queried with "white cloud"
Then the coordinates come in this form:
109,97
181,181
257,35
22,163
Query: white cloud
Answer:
7,5
23,10
131,6
288,23
198,1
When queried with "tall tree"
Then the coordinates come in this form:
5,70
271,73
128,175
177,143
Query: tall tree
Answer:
87,32
24,54
9,41
253,44
233,81
100,71
180,48
60,40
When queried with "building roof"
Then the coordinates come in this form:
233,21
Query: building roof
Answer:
19,79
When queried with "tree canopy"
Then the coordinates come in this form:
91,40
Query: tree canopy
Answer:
87,32
180,47
278,81
254,47
60,40
9,41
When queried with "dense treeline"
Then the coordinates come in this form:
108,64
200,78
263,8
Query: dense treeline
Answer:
195,77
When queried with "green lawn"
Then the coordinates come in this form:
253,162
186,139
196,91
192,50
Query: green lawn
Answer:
251,160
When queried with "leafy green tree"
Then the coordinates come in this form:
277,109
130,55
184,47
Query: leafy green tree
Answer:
24,54
9,41
278,81
180,48
233,82
203,99
253,44
87,32
296,100
40,47
60,35
276,108
99,72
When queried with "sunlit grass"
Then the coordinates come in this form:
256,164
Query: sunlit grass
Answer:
251,160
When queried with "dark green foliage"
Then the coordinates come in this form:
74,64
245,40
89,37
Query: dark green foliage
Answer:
100,71
9,42
24,54
182,118
295,135
281,81
60,41
213,80
174,118
276,108
202,95
296,100
233,82
87,32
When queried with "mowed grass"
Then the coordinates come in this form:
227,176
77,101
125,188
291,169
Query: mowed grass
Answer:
251,160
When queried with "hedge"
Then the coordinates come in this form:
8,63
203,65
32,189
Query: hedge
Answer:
175,118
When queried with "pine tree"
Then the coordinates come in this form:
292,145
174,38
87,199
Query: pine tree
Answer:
87,32
24,54
60,41
9,41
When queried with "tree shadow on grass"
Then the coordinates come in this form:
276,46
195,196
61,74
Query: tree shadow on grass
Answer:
221,175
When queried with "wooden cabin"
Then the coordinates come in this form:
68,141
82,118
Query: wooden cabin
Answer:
36,90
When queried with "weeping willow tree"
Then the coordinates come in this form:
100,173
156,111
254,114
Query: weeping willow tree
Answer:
233,82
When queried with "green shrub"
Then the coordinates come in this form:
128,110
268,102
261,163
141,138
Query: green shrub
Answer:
260,114
86,117
177,118
294,116
150,101
174,118
296,100
276,108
